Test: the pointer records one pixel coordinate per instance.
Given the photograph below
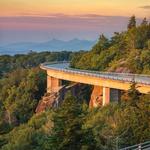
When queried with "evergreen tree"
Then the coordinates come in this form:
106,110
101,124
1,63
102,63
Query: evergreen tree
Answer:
144,22
103,42
133,95
132,22
66,134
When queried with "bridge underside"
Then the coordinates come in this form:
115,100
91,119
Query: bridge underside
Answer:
100,96
103,82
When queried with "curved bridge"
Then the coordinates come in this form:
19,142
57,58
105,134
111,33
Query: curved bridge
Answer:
102,81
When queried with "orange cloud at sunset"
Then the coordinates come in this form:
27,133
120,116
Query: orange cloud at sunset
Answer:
103,7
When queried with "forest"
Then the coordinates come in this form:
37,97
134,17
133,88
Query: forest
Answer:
73,126
128,51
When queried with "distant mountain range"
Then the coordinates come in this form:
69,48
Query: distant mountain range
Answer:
52,45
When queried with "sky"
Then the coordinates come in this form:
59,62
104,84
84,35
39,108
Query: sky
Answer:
41,20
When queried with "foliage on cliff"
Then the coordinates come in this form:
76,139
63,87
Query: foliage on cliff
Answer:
22,84
73,126
128,51
20,92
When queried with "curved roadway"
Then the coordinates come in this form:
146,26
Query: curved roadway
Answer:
64,66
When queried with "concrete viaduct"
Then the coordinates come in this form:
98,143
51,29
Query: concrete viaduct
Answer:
103,82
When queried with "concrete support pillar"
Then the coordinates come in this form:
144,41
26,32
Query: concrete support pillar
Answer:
96,97
53,84
106,96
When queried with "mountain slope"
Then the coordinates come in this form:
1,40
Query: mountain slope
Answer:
127,51
53,45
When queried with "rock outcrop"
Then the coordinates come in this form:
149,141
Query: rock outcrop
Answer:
54,99
48,100
96,97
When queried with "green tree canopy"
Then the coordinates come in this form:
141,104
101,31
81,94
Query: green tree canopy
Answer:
132,22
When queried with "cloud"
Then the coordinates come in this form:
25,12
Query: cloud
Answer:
32,27
61,18
65,22
145,7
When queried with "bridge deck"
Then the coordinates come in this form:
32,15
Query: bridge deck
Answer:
126,77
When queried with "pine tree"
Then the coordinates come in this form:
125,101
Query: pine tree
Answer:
144,22
67,120
132,22
103,42
133,95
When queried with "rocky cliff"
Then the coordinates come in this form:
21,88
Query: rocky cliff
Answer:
54,99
